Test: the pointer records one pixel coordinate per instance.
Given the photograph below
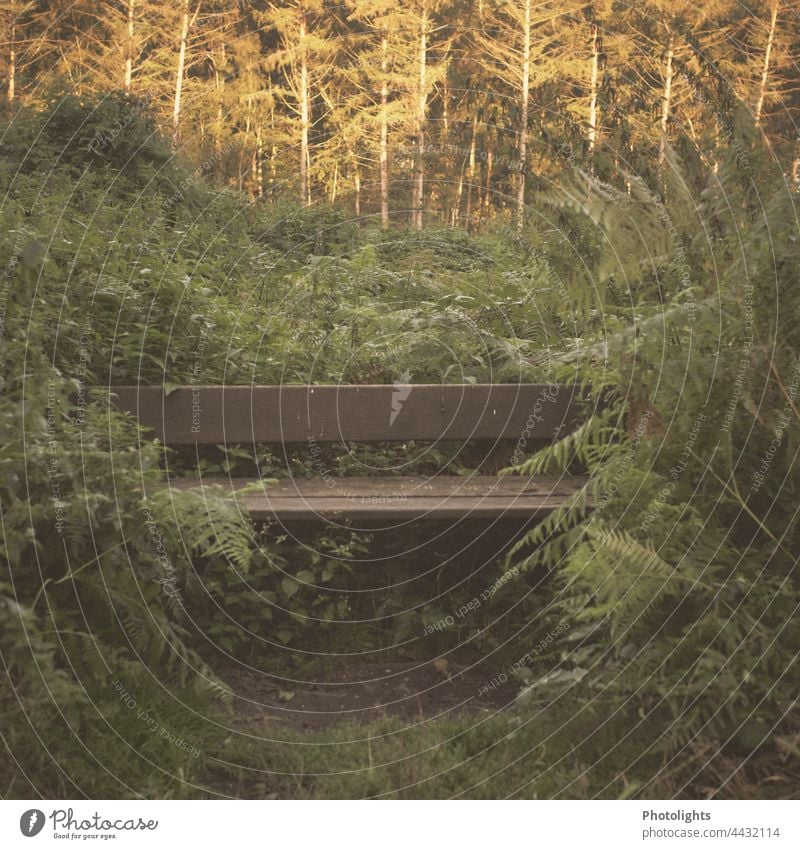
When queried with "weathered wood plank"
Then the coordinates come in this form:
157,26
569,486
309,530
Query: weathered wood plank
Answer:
213,415
399,498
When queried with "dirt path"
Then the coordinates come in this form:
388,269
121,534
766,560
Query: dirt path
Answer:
367,692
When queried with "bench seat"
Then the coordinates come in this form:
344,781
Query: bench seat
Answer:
398,498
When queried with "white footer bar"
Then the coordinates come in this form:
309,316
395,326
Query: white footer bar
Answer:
400,825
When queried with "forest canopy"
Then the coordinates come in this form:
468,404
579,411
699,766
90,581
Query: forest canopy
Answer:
453,110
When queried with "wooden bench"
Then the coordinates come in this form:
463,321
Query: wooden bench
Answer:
525,414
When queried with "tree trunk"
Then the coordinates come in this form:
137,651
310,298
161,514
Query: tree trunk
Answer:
129,47
357,180
272,155
12,64
471,171
219,83
259,164
666,101
488,190
455,212
523,129
422,100
305,186
762,89
384,140
446,101
592,135
186,24
244,147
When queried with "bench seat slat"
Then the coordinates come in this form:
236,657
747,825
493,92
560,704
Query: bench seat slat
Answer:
400,498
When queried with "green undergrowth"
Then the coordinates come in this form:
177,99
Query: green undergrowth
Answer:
569,746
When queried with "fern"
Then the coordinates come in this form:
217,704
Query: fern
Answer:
209,522
589,444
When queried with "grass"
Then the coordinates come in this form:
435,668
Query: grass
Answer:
552,751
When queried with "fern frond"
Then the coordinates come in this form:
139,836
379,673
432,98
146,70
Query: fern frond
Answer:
630,220
553,537
588,444
210,522
626,575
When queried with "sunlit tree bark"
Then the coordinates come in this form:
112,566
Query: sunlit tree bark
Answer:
187,19
666,99
422,104
762,89
129,47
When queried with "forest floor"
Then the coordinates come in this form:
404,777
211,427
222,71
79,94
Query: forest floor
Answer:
366,692
378,729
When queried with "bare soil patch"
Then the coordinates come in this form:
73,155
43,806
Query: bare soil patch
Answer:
367,692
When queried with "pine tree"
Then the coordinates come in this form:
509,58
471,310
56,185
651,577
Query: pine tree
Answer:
674,40
763,38
378,56
517,47
305,56
587,39
15,16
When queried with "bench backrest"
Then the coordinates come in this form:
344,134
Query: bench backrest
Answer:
211,415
